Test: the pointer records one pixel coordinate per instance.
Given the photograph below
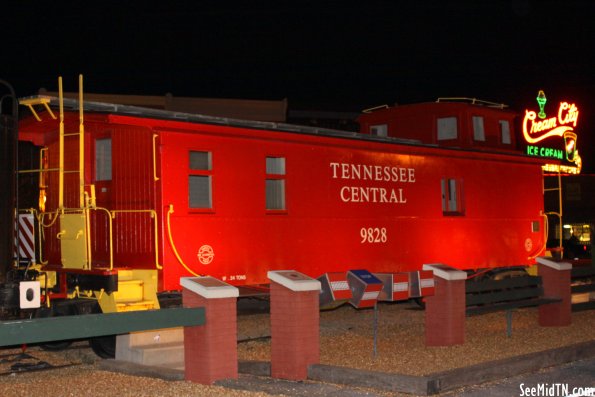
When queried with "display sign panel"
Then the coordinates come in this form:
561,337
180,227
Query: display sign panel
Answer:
553,135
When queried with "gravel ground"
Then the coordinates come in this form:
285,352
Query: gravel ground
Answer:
346,340
86,380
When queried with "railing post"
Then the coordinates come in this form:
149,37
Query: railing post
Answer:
295,324
445,311
556,283
210,351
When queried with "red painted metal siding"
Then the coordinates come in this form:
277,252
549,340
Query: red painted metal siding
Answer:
328,225
418,121
131,187
320,232
51,244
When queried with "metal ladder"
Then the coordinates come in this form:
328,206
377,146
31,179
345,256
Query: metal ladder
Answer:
559,212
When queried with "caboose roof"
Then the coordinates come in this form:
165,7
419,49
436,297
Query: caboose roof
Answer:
137,111
168,115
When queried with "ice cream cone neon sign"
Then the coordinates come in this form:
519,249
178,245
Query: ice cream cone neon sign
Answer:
537,127
541,100
536,130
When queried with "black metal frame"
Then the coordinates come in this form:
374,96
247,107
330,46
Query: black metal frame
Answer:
505,295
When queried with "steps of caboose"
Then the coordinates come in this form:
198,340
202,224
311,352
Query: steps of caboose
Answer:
161,355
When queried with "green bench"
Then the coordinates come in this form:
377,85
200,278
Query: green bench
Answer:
488,296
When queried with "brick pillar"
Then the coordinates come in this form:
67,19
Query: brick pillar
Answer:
210,350
295,324
445,311
556,283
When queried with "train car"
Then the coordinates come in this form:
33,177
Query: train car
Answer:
131,199
448,122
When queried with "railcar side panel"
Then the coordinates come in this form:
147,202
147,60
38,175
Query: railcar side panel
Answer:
334,203
348,204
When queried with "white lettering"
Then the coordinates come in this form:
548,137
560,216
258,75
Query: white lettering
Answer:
343,196
399,199
367,172
358,194
378,173
551,390
387,174
374,173
355,171
395,174
345,171
374,190
411,175
402,174
383,196
334,166
373,235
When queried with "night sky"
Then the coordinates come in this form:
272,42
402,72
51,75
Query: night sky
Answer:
339,55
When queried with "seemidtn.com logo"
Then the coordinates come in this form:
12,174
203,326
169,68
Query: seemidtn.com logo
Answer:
555,390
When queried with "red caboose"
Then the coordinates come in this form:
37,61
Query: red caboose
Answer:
181,194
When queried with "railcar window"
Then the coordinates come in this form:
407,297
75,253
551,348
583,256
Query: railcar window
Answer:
447,128
200,180
478,131
452,203
505,132
103,159
379,130
275,183
200,161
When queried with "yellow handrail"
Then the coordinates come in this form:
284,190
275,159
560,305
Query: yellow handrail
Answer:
29,102
559,213
81,135
61,148
171,242
111,237
41,226
41,215
155,177
545,237
153,214
111,215
88,232
41,237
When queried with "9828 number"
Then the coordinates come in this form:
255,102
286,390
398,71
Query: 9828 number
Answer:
373,235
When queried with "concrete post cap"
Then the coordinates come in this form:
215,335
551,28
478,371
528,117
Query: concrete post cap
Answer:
294,280
445,272
549,262
209,287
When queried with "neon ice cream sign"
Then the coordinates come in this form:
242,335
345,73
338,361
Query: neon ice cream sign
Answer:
537,127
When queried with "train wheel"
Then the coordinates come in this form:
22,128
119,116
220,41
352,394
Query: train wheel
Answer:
169,299
56,311
104,346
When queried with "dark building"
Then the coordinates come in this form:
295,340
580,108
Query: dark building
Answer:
578,213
